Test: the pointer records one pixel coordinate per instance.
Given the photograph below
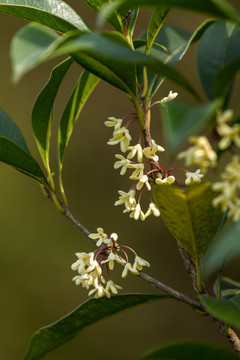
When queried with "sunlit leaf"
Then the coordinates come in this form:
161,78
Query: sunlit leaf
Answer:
181,120
55,14
226,310
189,215
217,48
93,310
43,110
189,350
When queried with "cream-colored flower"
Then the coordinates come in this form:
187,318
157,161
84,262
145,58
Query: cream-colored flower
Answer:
113,122
136,212
110,260
128,267
234,210
167,180
126,198
193,177
229,134
113,287
150,152
138,172
99,291
121,136
124,163
152,209
171,96
139,263
103,238
136,149
201,154
143,180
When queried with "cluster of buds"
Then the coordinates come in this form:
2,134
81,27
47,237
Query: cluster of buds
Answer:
144,178
90,266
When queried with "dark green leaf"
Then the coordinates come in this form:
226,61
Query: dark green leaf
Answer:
31,46
181,120
157,20
115,19
43,110
229,288
109,56
225,310
55,14
225,77
217,48
226,246
216,8
14,155
11,131
79,96
93,310
189,215
190,350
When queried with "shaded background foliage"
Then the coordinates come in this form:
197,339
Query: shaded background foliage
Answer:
38,244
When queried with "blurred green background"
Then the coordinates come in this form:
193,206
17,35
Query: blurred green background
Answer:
38,245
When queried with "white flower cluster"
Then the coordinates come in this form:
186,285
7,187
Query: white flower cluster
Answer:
229,134
200,154
229,189
90,265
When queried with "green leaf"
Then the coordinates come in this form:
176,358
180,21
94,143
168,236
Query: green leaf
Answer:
43,110
216,8
14,151
226,246
114,19
14,155
225,77
229,288
31,46
78,98
11,131
189,216
217,48
189,350
181,120
157,20
176,41
55,14
93,310
109,56
225,310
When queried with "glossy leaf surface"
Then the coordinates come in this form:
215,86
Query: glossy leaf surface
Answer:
42,112
157,20
189,216
93,310
189,350
182,120
218,47
55,14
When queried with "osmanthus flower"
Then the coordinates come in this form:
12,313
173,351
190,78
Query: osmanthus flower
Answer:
143,180
103,238
229,134
152,209
136,149
200,154
136,212
126,198
171,96
123,163
193,177
113,122
229,189
90,267
122,137
167,180
150,152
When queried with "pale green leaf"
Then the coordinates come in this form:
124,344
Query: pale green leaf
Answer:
189,215
93,310
157,20
55,14
228,287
